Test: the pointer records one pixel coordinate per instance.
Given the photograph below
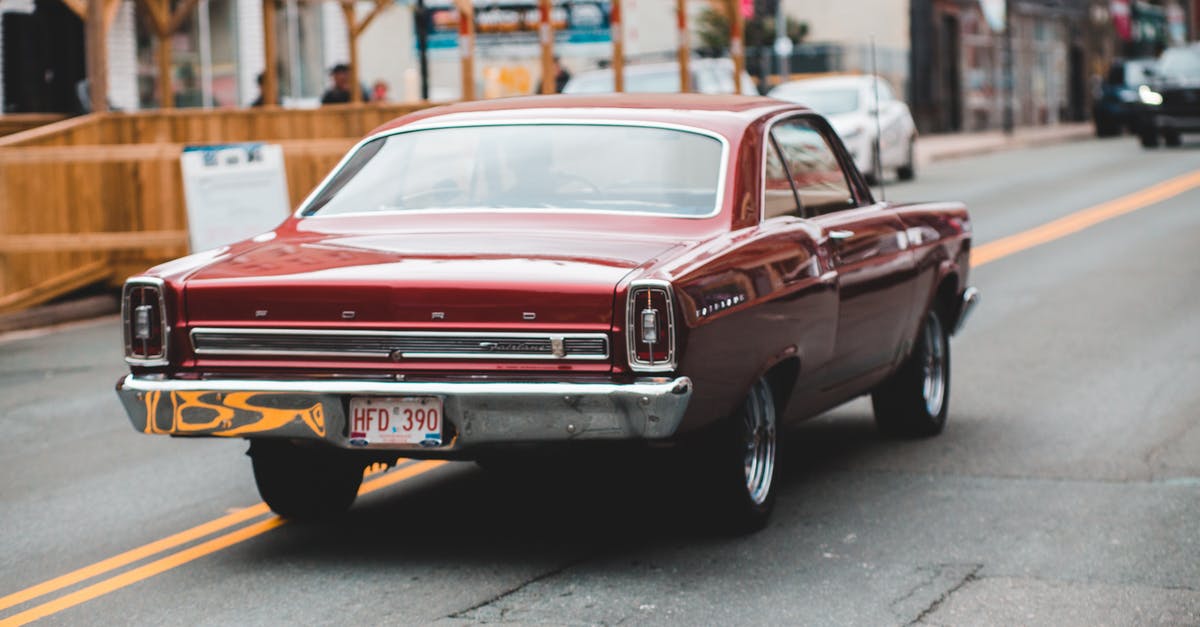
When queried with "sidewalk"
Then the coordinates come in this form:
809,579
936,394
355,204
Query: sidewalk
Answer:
941,147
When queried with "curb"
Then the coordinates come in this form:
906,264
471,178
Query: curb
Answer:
59,313
1012,143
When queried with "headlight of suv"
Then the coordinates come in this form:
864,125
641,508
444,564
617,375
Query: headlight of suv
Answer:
1149,96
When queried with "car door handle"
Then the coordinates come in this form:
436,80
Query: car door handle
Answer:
840,234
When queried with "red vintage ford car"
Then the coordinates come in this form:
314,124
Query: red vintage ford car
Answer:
672,269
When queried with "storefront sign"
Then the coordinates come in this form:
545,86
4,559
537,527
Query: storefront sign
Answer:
515,23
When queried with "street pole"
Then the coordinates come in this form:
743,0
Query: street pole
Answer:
682,48
1008,68
781,47
421,15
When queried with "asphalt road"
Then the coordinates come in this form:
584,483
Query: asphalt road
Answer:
1065,490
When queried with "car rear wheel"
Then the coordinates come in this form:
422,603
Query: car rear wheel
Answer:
1149,138
914,401
740,463
1173,139
908,171
305,483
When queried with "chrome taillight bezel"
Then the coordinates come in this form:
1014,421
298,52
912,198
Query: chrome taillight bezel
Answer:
633,332
133,358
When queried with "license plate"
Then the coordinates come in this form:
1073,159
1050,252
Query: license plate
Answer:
396,420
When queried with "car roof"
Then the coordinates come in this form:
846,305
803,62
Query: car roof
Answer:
726,115
819,82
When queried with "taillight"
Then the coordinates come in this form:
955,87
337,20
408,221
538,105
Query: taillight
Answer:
651,332
144,316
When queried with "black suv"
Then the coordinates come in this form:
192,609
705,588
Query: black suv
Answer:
1171,98
1117,105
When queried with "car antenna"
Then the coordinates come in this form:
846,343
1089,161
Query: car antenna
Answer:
878,165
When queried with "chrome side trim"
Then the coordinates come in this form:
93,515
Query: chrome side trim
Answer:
479,412
393,352
636,364
425,125
970,298
126,317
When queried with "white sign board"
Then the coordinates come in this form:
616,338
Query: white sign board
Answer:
995,13
233,192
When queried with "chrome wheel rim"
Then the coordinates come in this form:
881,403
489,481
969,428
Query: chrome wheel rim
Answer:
759,432
933,368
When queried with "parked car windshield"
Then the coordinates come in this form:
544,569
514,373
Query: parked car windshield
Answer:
547,166
1180,64
823,101
664,81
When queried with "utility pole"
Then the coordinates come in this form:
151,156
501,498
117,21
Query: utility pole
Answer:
783,44
421,14
1008,68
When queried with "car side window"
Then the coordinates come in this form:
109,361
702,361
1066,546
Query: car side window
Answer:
779,197
816,173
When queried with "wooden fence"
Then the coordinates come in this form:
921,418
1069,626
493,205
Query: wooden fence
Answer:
16,122
99,197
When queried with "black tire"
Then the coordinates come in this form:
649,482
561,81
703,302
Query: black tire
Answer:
1107,127
872,177
1149,138
908,171
305,483
914,401
1173,139
739,462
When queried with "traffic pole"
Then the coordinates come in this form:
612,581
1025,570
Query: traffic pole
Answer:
685,75
618,41
546,35
737,48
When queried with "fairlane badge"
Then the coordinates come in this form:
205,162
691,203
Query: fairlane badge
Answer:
512,347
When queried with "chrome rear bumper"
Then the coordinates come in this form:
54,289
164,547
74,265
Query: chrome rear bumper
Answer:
970,298
478,412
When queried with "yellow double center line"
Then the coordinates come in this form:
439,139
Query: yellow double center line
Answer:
981,255
173,560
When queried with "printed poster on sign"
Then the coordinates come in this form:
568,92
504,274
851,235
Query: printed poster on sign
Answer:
511,26
233,192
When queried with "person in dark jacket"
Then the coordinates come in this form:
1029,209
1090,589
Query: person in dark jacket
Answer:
339,92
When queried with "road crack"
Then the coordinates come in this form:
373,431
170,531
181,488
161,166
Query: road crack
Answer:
962,574
465,614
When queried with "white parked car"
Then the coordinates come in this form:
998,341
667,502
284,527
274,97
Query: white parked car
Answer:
709,76
848,103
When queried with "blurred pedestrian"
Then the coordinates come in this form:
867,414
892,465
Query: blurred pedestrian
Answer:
561,77
339,92
379,91
258,102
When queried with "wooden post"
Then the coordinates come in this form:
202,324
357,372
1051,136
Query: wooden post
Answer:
737,46
618,41
684,50
546,35
164,22
166,95
354,28
466,46
270,82
352,32
97,55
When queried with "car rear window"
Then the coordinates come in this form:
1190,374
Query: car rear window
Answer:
633,169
